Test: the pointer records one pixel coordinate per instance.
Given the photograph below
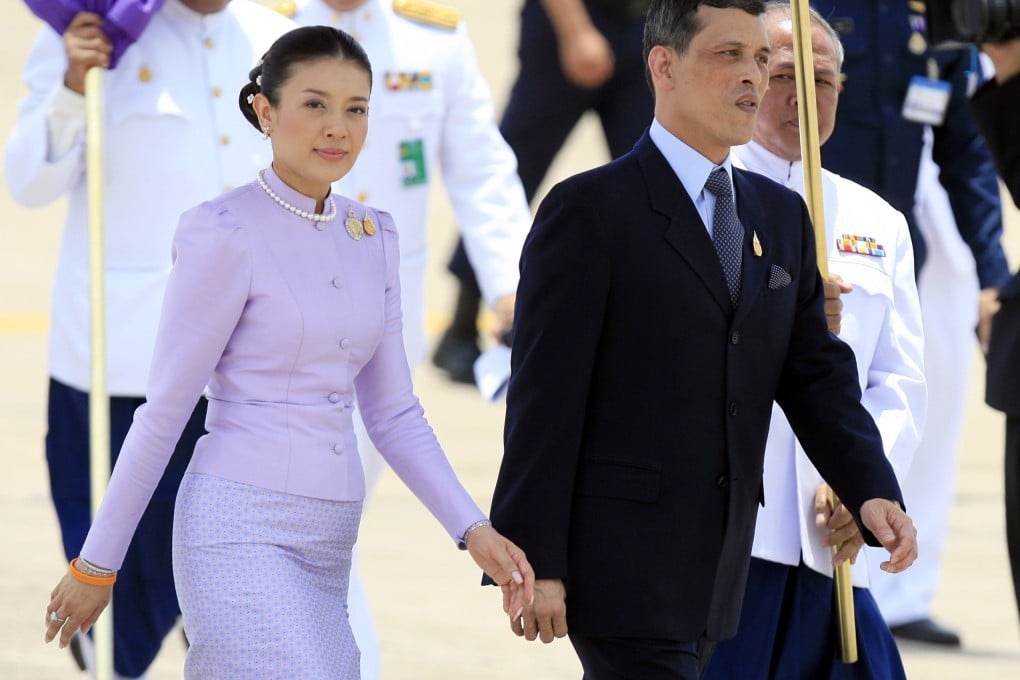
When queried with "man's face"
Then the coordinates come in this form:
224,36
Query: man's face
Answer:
205,6
778,128
709,96
345,5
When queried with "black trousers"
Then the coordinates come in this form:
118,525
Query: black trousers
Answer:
544,106
611,658
1012,478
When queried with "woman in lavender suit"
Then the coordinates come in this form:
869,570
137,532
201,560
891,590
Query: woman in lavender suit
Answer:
284,304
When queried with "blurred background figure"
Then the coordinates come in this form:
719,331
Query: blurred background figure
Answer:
174,139
995,107
575,56
879,142
431,116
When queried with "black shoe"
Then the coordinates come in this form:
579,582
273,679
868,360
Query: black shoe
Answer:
926,630
75,647
456,355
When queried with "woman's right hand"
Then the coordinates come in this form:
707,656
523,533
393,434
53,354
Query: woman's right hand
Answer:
86,47
77,606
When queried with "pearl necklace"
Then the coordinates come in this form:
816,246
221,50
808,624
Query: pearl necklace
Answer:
314,217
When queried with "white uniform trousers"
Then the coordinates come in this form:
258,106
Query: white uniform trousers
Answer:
948,288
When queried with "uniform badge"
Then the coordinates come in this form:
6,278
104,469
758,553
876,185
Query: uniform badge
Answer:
369,224
862,245
354,226
412,162
408,81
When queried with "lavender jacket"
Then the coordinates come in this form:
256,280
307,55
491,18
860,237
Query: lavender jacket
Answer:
287,322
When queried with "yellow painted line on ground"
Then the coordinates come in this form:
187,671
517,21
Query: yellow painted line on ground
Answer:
24,323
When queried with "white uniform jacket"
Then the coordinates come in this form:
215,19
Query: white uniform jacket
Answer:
882,323
174,138
430,113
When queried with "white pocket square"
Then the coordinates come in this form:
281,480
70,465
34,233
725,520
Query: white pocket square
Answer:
778,277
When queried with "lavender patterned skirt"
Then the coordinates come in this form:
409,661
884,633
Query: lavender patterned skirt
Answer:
262,581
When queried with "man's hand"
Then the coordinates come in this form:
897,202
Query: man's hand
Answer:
843,530
504,310
1006,57
988,306
586,57
546,618
86,47
894,530
833,305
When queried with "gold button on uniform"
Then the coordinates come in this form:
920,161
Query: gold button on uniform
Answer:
216,92
362,196
144,74
209,43
224,140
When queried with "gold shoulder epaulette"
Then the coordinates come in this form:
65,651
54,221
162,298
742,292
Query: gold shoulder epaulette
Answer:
428,12
287,8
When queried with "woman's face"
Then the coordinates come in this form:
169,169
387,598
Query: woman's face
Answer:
320,124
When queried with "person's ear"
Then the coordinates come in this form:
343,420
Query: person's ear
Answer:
264,110
660,65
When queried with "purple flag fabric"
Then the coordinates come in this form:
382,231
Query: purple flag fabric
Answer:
123,20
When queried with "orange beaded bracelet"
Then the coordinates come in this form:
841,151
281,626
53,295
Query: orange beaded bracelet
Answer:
80,575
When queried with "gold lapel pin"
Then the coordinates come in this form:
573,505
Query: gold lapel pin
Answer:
354,226
369,224
755,244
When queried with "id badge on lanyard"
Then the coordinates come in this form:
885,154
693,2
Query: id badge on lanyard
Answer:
927,97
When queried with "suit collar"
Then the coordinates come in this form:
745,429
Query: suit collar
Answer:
687,235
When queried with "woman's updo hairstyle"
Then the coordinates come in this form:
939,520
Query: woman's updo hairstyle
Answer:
308,43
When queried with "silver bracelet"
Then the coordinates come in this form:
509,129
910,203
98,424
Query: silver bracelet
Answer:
467,532
91,569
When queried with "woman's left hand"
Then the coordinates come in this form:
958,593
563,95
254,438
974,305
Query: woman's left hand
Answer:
505,564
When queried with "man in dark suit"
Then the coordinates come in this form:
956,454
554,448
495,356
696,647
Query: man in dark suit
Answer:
656,324
995,108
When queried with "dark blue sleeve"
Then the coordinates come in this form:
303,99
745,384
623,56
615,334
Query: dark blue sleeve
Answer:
967,171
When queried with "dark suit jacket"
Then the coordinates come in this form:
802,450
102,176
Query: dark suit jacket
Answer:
995,109
639,401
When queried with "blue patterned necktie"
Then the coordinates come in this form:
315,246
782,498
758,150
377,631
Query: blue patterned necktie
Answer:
727,234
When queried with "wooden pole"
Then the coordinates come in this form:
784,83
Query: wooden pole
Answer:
810,152
99,400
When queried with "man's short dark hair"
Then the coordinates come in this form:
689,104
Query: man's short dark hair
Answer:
673,23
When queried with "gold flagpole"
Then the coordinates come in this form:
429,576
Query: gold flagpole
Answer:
99,401
810,151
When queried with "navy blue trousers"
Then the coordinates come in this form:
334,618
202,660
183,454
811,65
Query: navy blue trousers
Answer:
544,106
788,631
144,599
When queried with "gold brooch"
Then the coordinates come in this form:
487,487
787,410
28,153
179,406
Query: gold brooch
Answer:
354,226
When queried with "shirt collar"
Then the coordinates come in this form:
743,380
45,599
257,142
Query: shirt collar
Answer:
176,11
691,168
756,158
289,194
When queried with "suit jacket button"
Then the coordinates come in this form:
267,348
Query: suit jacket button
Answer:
334,397
338,449
733,408
722,482
735,338
345,343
